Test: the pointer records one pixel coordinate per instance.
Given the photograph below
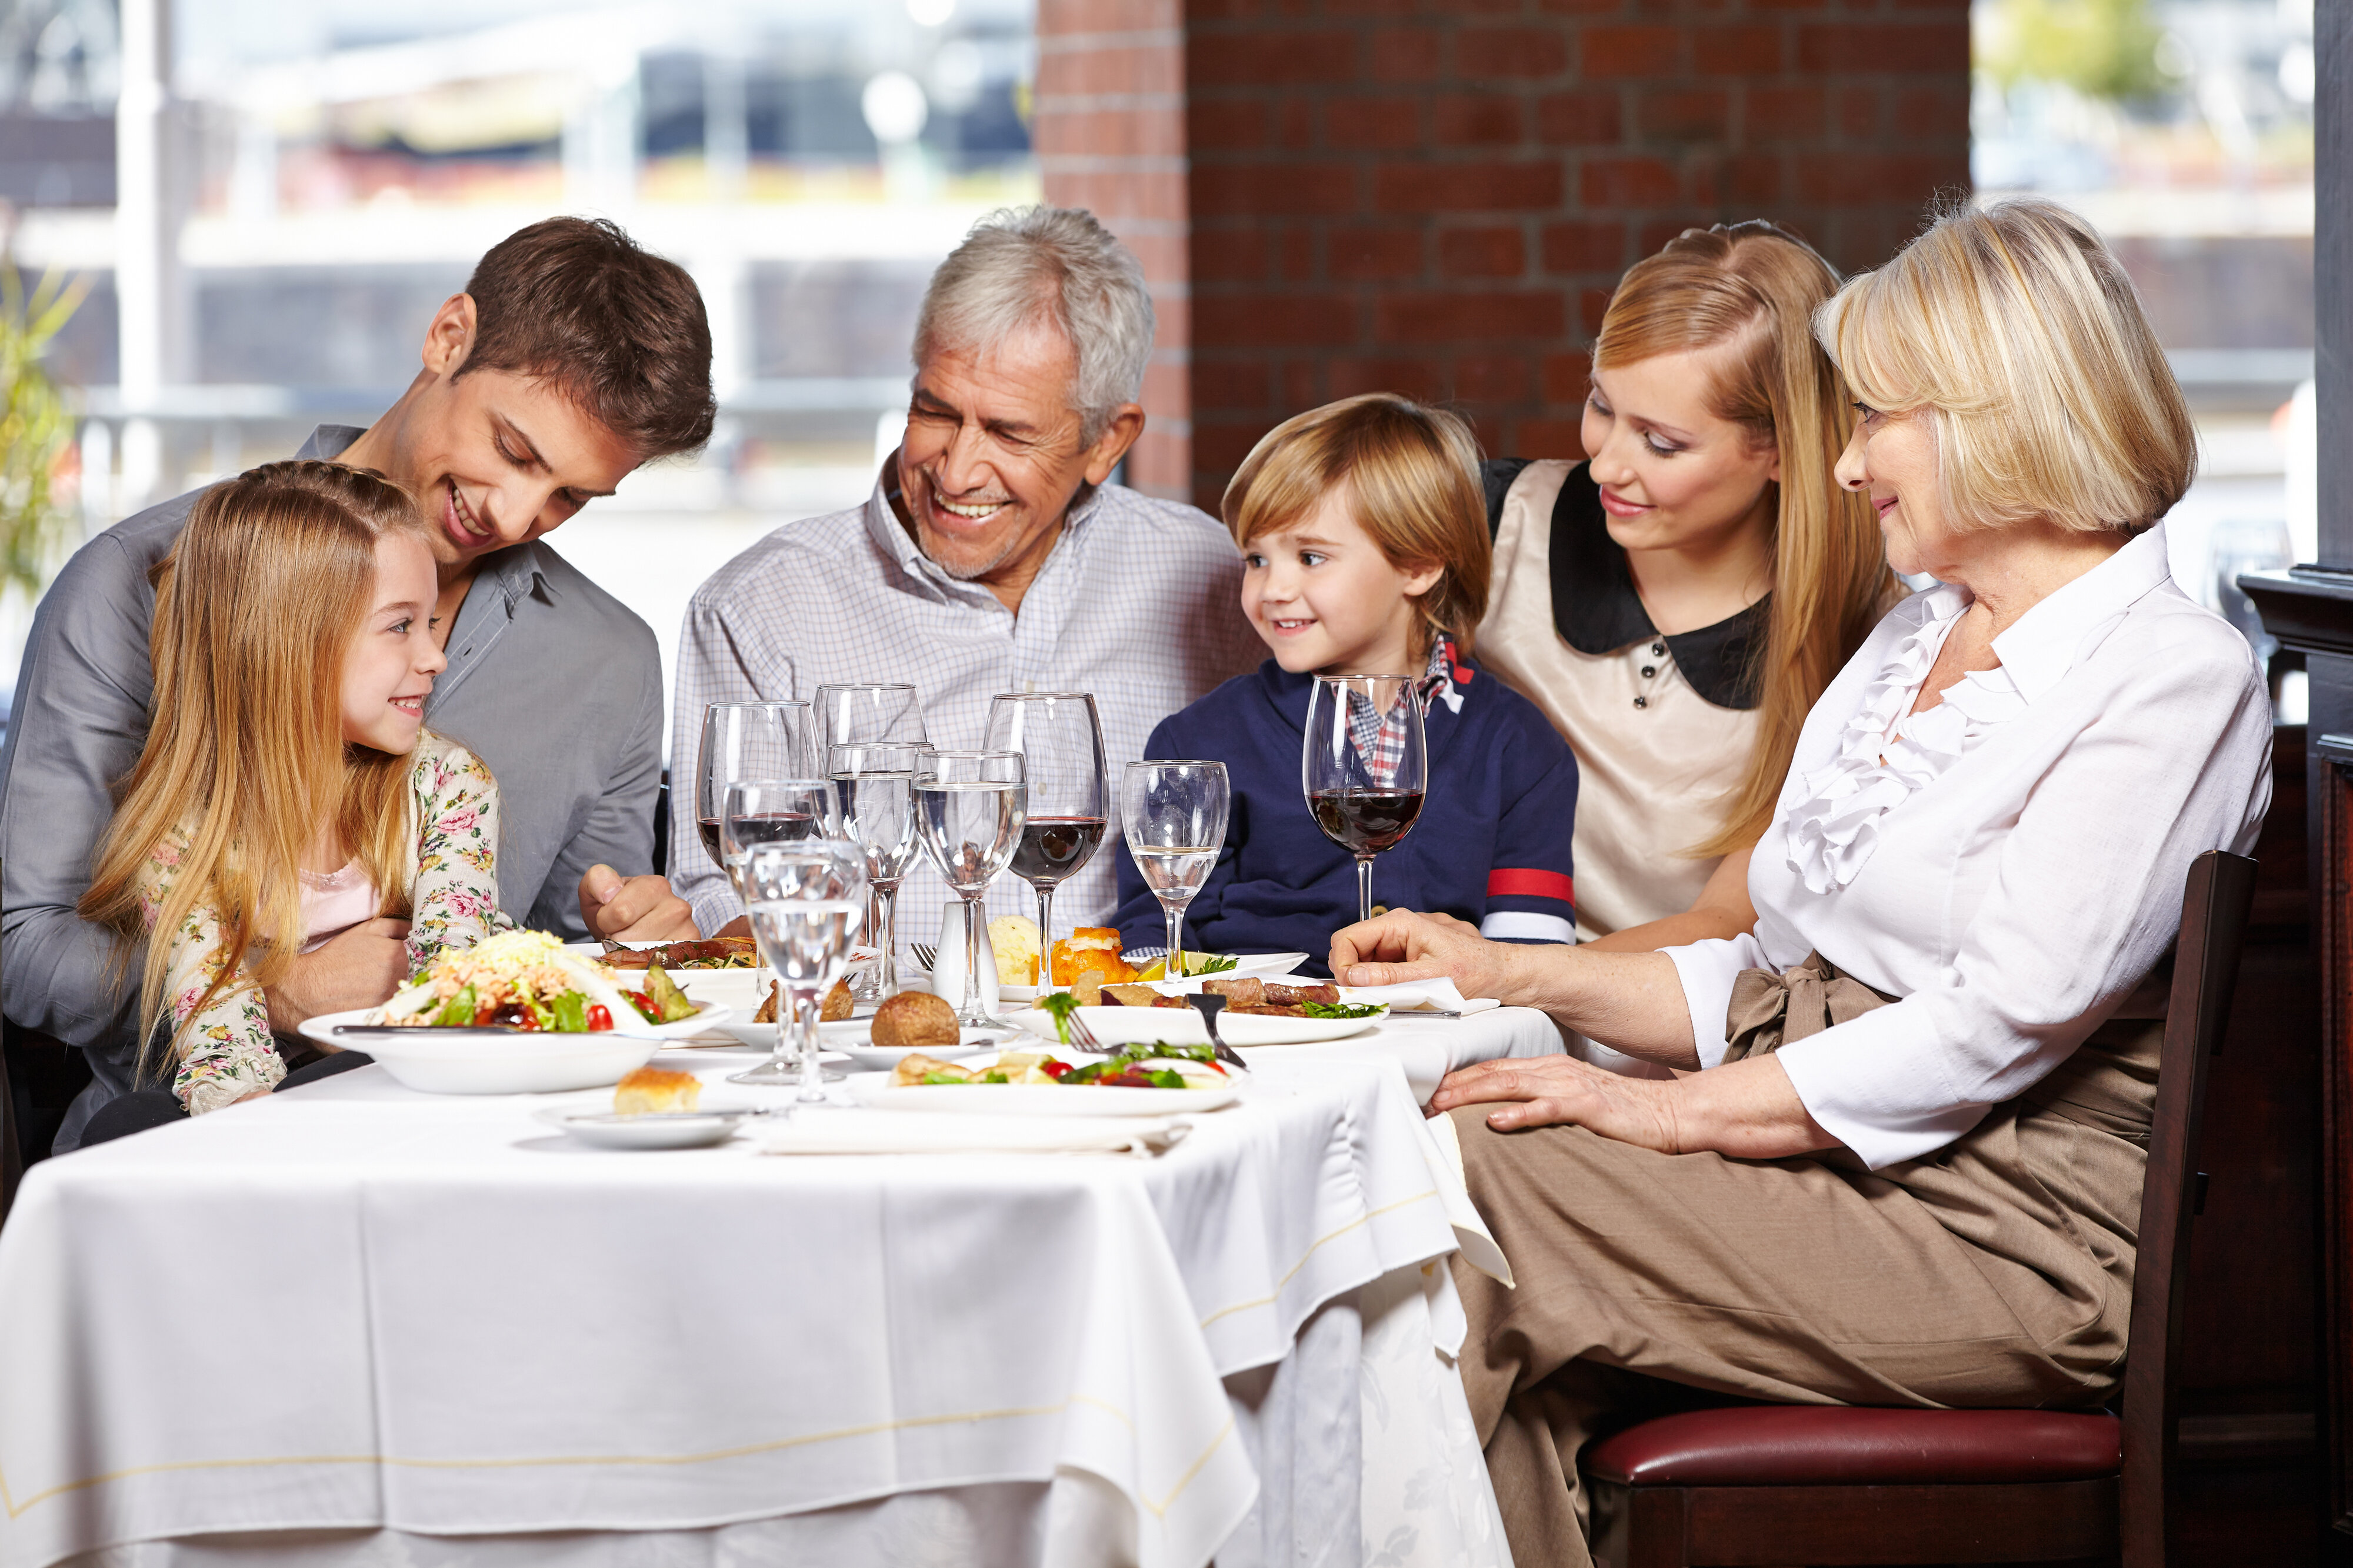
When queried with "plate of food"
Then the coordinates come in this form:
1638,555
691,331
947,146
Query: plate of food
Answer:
653,1108
1150,1083
1013,942
709,953
1150,963
913,1020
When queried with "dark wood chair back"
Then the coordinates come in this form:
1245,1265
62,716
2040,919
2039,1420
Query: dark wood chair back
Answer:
2214,912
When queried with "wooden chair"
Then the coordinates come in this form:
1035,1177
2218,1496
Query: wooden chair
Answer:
1840,1484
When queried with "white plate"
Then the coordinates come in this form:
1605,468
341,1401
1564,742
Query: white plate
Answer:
1271,1029
875,1090
1117,1026
666,1130
493,1063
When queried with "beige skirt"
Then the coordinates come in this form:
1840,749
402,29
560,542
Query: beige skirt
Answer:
1996,1272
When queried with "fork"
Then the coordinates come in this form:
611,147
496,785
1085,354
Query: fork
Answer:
925,954
1081,1035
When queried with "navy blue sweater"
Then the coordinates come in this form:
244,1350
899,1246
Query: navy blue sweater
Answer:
1490,846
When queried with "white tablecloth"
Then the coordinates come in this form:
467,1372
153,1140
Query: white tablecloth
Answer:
393,1318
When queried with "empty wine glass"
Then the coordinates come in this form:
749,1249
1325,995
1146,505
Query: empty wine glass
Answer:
806,897
854,714
747,741
969,808
1365,765
1061,743
874,791
1173,814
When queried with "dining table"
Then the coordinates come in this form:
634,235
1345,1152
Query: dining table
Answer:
352,1324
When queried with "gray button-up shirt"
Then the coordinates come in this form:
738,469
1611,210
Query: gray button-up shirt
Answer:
552,682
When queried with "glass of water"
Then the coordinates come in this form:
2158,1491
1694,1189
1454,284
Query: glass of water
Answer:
1173,814
874,791
969,811
807,899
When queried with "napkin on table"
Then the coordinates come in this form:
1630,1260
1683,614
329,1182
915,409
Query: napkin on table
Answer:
948,1132
1427,995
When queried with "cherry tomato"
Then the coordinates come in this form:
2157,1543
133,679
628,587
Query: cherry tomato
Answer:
600,1017
1053,1068
638,999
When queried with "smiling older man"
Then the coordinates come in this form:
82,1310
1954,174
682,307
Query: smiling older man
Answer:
994,555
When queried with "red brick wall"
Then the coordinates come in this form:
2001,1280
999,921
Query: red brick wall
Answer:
1436,198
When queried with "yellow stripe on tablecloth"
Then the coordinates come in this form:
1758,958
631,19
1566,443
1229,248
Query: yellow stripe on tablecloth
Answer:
1359,1222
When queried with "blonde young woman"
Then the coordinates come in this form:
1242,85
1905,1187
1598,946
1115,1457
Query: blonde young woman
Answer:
1676,602
1909,1169
288,790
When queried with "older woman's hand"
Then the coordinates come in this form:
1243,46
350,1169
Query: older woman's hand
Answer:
1748,1110
1402,945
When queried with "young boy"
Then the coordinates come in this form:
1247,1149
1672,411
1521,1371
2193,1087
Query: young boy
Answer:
1365,551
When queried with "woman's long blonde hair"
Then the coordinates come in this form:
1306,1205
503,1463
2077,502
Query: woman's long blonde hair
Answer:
256,607
1754,286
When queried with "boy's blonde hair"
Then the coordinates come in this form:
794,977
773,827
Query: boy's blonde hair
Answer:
2018,334
1414,474
264,591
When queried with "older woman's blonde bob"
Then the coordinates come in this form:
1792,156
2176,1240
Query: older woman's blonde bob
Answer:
2013,328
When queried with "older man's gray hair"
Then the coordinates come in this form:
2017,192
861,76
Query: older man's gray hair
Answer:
1021,266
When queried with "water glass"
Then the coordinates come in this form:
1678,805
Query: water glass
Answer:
969,809
874,793
852,715
1173,814
747,741
807,899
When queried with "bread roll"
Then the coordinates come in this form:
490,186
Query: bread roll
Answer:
916,1018
651,1090
836,1005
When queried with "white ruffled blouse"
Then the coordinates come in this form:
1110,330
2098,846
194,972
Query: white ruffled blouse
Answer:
2008,863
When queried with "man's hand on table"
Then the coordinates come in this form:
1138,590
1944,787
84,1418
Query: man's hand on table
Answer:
636,908
360,968
1402,945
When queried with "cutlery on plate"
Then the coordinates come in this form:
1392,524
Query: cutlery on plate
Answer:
925,954
1210,1004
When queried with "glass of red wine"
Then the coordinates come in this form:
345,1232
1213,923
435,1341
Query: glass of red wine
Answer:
747,741
1061,739
1364,766
756,812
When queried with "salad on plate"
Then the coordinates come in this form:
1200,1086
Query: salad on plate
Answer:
529,979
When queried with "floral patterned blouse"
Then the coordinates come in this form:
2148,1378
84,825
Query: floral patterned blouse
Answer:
453,888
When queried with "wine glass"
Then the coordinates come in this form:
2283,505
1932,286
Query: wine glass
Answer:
1365,765
874,791
747,741
806,897
753,811
853,714
969,808
1061,743
1173,814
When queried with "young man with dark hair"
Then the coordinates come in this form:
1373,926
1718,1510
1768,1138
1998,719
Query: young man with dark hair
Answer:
571,357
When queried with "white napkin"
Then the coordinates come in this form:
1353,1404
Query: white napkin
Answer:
948,1132
1433,995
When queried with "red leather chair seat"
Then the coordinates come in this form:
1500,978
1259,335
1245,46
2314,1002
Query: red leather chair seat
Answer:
1834,1445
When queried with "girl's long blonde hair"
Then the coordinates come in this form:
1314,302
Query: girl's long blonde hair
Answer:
256,607
1757,288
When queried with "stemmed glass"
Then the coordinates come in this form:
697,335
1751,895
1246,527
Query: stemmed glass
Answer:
747,741
753,811
874,791
1173,814
969,808
1364,766
851,714
1061,743
806,897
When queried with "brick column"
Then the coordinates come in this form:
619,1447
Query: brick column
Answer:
1109,129
1437,199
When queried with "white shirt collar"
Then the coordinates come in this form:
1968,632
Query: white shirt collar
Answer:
2045,643
898,539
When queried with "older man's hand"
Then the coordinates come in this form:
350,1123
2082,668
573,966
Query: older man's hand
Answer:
1544,1091
1402,945
637,909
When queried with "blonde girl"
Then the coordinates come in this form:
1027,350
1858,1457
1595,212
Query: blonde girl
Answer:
1676,602
287,791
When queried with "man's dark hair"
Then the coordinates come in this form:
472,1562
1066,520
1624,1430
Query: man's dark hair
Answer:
620,330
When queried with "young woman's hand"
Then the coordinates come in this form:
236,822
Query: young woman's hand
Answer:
1402,945
360,968
637,909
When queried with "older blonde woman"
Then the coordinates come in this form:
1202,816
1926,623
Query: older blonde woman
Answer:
1908,1169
